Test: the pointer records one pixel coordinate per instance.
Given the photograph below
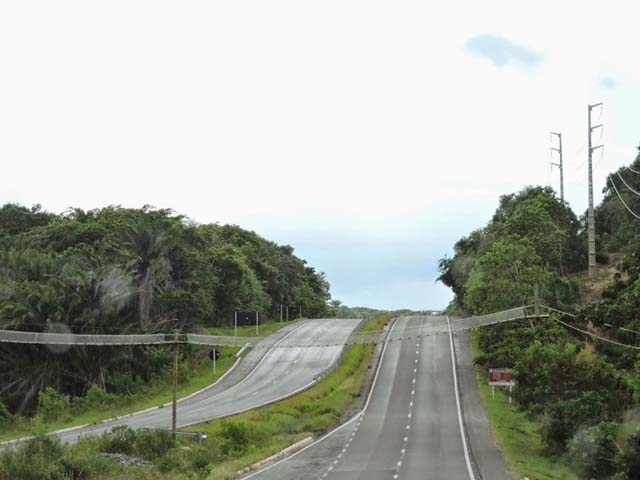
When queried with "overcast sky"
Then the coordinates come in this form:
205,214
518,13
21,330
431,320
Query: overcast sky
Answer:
369,135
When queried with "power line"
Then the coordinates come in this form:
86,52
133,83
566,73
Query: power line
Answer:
622,200
593,335
626,184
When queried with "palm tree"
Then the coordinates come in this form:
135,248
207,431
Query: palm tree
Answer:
144,247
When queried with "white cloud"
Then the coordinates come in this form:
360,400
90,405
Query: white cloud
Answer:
364,114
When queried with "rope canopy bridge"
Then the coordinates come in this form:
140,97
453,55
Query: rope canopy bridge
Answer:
71,339
529,313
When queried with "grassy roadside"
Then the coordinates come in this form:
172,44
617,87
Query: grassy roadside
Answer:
247,438
200,376
517,435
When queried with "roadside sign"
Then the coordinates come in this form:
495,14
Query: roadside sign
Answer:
501,377
245,318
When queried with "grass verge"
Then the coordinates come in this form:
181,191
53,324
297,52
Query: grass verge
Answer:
517,435
245,439
200,376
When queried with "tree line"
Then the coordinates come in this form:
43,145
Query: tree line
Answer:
118,270
584,393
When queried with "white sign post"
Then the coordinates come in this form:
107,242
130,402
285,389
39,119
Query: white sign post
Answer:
501,377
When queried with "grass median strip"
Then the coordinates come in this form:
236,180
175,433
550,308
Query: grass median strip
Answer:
245,439
517,435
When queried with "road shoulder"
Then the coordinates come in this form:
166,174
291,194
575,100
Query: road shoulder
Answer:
485,451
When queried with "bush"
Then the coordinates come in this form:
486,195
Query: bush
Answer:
152,444
235,438
120,439
84,461
36,459
563,418
95,399
5,415
53,405
594,452
632,455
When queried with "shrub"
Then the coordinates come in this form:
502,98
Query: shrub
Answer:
632,455
35,459
5,415
594,452
53,405
563,418
84,461
95,399
120,439
152,444
235,438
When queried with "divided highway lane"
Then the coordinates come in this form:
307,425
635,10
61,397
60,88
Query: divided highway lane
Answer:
411,427
295,357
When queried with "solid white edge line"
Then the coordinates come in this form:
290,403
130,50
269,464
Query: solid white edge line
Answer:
268,402
465,447
339,427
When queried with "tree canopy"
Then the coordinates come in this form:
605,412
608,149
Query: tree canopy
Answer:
119,270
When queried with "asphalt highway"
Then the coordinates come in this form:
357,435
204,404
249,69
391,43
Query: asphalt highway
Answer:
412,427
284,363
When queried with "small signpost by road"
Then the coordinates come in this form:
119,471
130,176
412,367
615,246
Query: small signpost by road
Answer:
214,355
246,318
500,377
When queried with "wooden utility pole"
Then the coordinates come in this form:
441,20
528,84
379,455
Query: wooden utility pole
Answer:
174,406
559,164
591,220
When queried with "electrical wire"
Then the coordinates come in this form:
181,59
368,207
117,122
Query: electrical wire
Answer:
626,184
593,335
622,201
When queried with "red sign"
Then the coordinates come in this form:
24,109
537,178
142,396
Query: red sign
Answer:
501,377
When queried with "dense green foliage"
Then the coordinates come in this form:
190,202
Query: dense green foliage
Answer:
616,227
117,270
231,443
532,240
582,391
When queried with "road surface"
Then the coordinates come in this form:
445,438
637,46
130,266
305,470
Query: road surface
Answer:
282,364
411,427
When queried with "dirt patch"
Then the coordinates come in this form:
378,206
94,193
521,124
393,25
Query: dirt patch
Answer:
590,289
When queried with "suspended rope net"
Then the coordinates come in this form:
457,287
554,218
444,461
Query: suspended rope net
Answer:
517,313
43,338
426,329
219,340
